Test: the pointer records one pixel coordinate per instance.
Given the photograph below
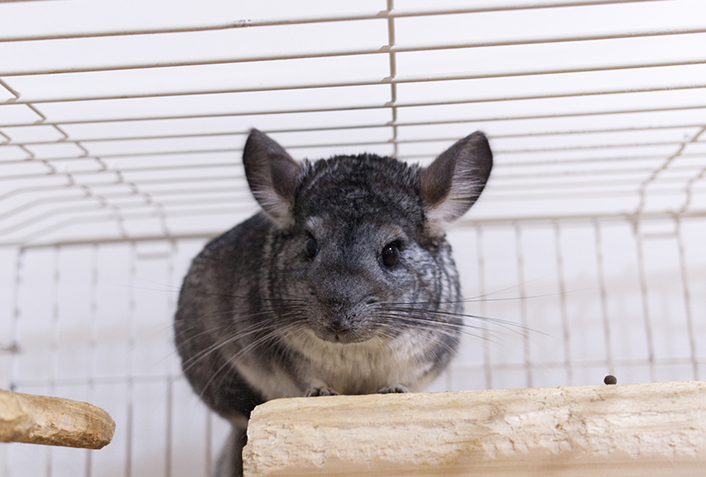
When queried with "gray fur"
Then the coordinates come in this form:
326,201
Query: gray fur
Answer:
259,318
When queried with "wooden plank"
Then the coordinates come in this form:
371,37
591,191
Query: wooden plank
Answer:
633,429
53,421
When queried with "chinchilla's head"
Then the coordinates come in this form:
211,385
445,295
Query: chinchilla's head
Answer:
359,247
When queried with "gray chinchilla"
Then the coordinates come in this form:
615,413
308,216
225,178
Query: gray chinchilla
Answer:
343,283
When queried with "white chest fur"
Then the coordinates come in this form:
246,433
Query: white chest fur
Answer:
362,368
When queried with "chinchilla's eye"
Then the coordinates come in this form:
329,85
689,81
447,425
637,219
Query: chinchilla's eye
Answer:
311,248
391,254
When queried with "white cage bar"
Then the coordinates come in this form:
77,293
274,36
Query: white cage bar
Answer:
121,129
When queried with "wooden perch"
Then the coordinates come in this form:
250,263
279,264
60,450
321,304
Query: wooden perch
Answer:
53,421
633,429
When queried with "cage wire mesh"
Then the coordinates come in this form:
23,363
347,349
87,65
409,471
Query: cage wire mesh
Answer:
121,130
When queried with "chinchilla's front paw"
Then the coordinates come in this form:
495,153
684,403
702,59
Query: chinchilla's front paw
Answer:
322,392
393,389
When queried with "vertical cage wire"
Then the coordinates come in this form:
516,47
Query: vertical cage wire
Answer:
597,198
687,302
486,369
564,313
602,288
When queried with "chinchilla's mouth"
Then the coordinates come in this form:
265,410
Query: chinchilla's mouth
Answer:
342,335
344,338
344,326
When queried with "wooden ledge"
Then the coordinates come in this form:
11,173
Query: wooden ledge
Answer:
632,429
53,421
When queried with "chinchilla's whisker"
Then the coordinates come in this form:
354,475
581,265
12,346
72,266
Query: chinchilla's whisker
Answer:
495,321
236,316
434,336
256,343
264,300
414,316
193,337
467,330
228,364
222,330
227,339
217,345
484,298
448,329
298,328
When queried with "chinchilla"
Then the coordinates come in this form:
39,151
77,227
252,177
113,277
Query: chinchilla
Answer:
343,283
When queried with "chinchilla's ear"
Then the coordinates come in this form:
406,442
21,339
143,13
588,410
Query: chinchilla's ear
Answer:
272,176
454,181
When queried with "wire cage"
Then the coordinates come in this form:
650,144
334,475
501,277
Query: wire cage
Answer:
121,130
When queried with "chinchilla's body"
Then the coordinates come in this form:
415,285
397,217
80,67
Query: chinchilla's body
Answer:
344,283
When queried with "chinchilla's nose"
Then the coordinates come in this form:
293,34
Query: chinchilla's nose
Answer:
339,323
342,328
339,320
339,317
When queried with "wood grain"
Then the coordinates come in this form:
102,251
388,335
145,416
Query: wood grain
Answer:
53,421
636,430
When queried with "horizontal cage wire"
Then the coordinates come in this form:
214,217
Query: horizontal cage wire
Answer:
122,126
